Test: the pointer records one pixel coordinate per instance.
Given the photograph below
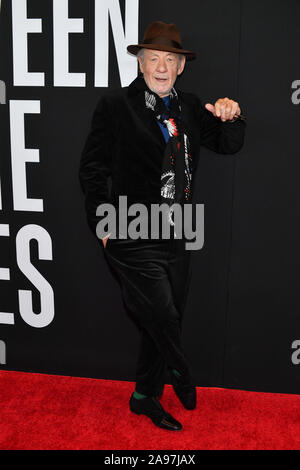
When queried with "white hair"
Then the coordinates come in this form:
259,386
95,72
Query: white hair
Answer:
142,51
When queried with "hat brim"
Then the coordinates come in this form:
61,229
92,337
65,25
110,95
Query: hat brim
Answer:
134,49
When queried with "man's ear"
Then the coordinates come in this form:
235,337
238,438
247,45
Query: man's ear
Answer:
182,65
141,64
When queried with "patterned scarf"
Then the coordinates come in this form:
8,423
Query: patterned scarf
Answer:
177,148
176,183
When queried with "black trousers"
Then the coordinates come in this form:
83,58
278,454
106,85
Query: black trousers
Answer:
154,276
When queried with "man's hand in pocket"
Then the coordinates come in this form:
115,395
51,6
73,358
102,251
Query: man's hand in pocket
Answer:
104,240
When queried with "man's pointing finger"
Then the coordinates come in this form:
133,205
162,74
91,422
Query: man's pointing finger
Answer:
210,107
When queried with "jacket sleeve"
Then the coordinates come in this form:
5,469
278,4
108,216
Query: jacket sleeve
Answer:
95,164
223,137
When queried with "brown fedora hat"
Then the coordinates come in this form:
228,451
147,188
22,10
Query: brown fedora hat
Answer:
162,37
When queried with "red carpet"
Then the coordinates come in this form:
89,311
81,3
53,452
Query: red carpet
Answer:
54,412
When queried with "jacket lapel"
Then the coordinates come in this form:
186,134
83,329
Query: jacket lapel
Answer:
146,115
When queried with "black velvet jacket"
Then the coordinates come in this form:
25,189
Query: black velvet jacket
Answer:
126,144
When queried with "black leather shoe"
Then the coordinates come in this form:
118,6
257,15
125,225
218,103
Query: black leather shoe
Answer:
152,408
185,390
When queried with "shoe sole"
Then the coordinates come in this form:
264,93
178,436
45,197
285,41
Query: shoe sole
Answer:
158,425
190,408
186,407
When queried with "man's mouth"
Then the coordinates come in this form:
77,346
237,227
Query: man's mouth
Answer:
161,80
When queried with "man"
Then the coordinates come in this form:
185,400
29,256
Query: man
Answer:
146,138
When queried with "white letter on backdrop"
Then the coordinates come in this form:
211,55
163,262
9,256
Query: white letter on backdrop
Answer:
20,155
62,26
24,236
126,62
5,317
21,26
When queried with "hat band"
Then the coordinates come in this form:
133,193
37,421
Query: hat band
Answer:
163,41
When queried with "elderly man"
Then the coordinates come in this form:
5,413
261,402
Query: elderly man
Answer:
146,138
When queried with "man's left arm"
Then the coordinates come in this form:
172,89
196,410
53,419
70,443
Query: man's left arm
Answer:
222,125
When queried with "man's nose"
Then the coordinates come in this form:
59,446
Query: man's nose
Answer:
162,66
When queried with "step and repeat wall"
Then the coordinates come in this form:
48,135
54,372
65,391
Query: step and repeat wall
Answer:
61,310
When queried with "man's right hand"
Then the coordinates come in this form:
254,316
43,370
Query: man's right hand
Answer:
104,240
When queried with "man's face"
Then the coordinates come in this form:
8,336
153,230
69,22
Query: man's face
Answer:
160,70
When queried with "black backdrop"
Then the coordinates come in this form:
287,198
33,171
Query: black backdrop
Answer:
242,320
